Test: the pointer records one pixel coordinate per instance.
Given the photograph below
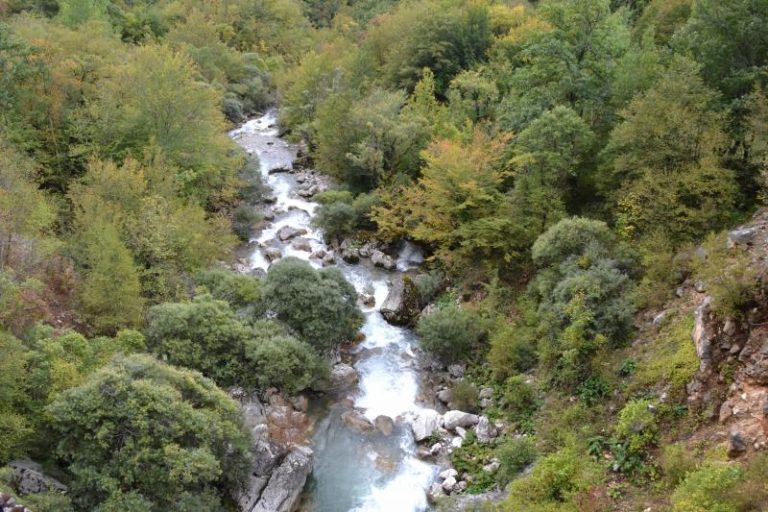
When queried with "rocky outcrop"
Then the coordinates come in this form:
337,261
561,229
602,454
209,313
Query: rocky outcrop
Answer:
8,504
28,478
279,468
402,305
282,492
384,424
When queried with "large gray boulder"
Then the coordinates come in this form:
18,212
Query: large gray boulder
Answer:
403,304
453,419
343,376
28,478
288,232
284,488
424,423
382,260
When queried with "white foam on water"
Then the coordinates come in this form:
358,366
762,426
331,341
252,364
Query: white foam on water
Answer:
388,384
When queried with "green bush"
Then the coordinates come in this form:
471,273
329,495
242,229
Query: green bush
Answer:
464,396
204,335
252,189
555,479
637,426
515,455
244,218
707,489
670,357
450,333
519,399
677,460
238,289
729,275
319,305
115,433
337,220
282,361
513,349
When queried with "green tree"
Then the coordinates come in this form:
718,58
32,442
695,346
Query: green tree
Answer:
666,174
168,108
730,39
113,433
281,360
26,212
110,293
319,305
204,335
15,427
450,333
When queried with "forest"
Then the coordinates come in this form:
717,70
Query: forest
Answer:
573,169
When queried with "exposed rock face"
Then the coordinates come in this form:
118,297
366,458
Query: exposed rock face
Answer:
424,423
453,419
282,492
28,478
702,334
343,376
8,504
278,473
382,260
402,305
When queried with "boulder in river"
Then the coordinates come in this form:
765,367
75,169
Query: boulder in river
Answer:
424,423
384,424
302,244
272,253
402,305
453,419
343,376
357,421
288,232
382,260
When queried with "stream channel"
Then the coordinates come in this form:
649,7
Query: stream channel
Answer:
353,471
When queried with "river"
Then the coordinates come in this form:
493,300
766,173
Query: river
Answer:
353,471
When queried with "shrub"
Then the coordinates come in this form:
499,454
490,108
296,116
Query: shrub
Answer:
677,461
204,335
429,285
128,407
519,399
282,361
238,289
450,333
252,189
555,479
637,425
513,349
319,305
515,455
464,396
337,220
670,357
729,275
244,218
707,489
